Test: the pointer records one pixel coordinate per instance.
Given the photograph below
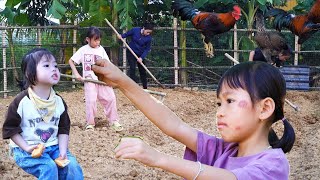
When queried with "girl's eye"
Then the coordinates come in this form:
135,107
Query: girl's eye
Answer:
46,65
219,104
230,100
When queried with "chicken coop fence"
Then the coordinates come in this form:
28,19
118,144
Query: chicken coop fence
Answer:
177,57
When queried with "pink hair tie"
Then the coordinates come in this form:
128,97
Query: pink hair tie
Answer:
283,119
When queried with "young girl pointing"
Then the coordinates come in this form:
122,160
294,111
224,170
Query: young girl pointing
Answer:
250,99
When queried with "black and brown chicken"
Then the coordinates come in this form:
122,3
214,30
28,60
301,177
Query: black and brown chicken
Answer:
303,25
272,44
208,23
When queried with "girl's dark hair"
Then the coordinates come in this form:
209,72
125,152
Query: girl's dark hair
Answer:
29,66
93,32
287,51
262,80
148,26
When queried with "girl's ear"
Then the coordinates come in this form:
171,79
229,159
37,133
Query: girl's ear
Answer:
267,108
87,39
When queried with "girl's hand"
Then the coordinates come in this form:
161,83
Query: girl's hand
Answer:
119,36
108,73
63,155
135,148
30,148
139,60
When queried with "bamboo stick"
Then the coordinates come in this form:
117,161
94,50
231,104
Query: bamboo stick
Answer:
155,92
85,80
296,108
231,58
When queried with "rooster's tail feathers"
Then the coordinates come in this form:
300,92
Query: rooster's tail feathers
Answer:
281,18
184,8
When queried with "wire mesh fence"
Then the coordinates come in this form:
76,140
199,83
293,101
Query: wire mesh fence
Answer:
199,70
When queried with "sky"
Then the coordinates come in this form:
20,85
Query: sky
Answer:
2,4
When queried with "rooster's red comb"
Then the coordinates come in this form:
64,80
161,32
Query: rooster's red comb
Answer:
237,9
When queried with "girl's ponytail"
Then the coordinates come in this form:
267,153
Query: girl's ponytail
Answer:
287,140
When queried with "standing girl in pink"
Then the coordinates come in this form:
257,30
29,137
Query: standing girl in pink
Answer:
87,55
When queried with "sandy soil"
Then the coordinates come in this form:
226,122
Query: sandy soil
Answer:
94,150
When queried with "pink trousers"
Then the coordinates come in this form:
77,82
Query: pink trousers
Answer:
106,97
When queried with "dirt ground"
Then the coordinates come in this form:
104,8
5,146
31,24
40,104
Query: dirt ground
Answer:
94,150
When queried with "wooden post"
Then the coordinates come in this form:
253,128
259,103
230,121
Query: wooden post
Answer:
183,54
297,49
175,51
4,62
39,36
235,43
74,41
124,54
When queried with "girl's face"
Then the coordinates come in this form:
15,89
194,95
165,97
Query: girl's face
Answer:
236,117
47,72
93,42
283,57
146,32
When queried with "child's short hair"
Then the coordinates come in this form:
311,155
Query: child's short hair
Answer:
262,80
29,66
94,32
148,26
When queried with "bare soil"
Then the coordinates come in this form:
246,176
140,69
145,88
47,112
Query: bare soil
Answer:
94,150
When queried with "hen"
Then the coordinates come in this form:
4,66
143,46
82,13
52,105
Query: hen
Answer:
272,44
301,25
208,23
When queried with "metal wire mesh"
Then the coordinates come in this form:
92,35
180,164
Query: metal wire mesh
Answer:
200,70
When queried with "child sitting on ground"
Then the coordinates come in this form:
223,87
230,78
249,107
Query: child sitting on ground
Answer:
39,116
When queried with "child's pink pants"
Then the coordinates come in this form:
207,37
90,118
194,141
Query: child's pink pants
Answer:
107,98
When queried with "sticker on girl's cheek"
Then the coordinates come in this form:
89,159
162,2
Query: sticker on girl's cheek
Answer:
243,104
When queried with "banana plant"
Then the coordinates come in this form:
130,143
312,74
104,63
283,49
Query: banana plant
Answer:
12,16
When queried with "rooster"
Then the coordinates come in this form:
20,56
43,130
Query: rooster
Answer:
301,25
208,23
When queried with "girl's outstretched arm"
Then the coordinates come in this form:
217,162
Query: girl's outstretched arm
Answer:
135,148
160,115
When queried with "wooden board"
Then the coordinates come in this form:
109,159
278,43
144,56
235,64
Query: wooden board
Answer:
297,77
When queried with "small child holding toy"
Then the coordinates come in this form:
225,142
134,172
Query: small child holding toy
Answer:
37,122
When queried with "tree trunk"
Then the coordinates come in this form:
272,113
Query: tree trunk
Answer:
63,38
